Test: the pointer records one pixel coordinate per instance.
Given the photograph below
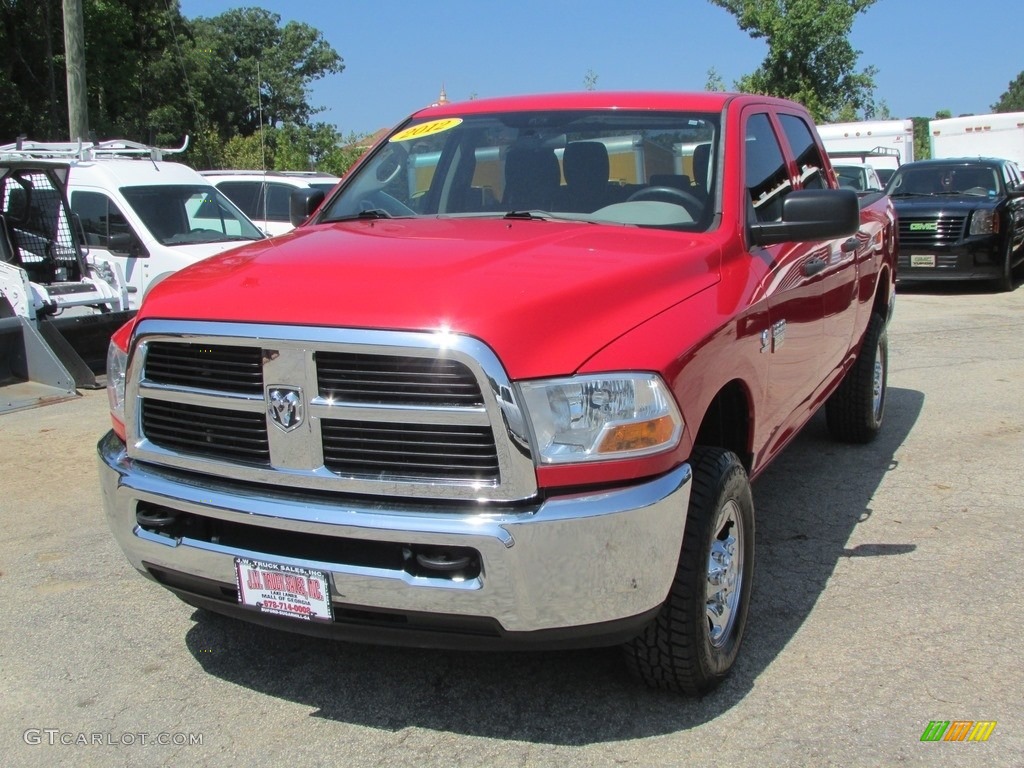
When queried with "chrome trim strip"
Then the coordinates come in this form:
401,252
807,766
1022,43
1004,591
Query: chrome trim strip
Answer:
297,457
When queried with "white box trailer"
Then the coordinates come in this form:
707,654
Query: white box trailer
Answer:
996,135
880,143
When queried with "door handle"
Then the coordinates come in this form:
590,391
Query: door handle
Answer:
813,266
850,246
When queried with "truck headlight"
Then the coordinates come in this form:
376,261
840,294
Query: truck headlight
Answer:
984,223
117,374
600,416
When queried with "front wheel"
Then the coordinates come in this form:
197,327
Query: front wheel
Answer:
1004,282
692,643
854,411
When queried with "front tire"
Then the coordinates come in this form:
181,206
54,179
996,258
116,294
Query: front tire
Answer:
855,410
1004,282
692,643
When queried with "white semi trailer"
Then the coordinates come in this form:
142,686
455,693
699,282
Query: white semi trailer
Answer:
996,135
883,144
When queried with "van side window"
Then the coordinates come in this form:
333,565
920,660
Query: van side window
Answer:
805,150
765,176
100,217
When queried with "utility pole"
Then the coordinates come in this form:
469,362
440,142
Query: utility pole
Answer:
74,51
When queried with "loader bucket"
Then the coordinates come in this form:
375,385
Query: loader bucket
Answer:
30,373
80,343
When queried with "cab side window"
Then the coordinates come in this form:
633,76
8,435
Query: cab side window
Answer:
765,176
101,219
805,150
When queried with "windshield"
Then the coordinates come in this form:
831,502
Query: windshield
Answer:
639,168
980,180
183,214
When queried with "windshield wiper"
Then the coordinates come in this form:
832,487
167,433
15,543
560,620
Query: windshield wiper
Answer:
368,213
534,215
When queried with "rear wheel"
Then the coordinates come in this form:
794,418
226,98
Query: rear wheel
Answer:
854,411
692,643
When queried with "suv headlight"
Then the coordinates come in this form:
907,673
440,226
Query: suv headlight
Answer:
984,222
600,417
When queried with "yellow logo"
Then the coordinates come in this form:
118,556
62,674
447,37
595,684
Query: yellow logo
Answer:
426,129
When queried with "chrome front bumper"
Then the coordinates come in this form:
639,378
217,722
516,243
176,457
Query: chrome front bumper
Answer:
567,562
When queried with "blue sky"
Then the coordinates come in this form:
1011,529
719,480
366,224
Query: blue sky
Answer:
930,55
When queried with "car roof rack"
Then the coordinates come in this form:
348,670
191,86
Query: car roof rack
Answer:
88,150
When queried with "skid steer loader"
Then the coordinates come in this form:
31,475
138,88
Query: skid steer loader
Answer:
57,311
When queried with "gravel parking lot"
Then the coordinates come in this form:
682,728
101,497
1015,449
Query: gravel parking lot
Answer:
887,595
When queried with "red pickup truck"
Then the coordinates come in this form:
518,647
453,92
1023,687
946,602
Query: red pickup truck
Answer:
509,383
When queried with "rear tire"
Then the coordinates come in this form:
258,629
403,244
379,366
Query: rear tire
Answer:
692,643
854,411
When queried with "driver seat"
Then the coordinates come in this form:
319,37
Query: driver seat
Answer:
586,167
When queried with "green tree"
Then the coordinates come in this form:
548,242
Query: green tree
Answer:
253,70
1013,99
810,59
33,97
714,81
922,145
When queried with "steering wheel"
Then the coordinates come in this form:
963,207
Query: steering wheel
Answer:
387,203
681,197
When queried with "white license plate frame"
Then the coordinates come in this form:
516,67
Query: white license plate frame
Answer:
922,260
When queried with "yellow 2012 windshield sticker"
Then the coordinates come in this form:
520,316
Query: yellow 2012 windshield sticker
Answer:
426,129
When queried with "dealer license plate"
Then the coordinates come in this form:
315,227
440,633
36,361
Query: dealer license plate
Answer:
922,259
298,593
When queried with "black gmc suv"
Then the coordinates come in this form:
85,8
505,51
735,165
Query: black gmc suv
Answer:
959,219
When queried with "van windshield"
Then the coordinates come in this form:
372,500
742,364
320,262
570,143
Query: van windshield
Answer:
639,168
184,214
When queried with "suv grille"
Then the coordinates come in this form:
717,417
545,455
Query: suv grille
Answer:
945,230
357,411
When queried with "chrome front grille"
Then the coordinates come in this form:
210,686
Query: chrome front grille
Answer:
449,451
205,366
395,379
930,231
210,432
372,412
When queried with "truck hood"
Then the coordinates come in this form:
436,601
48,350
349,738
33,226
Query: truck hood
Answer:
544,295
922,205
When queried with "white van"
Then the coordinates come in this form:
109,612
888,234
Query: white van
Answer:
141,214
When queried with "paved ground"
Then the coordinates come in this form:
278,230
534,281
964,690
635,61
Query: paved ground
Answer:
887,595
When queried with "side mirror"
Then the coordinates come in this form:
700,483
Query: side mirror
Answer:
811,214
302,204
126,244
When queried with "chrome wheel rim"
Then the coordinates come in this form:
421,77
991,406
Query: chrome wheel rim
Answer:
724,573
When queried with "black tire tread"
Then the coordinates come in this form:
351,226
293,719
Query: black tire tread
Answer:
849,411
667,655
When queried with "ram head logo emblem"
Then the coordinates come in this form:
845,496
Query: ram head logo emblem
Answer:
284,405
